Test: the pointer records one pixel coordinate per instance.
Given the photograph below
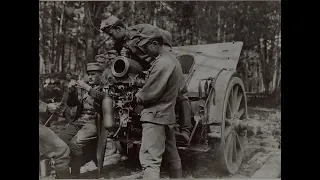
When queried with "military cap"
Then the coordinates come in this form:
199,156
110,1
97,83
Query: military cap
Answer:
148,34
94,67
101,58
112,52
108,23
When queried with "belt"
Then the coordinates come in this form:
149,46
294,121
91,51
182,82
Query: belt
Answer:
87,117
88,112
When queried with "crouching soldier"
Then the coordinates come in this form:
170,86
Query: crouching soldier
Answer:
50,144
87,98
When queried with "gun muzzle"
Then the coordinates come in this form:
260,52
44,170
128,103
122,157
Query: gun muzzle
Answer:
123,65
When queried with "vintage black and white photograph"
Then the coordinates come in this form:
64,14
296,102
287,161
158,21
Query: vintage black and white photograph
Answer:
160,89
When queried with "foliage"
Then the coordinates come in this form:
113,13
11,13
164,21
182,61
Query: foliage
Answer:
70,36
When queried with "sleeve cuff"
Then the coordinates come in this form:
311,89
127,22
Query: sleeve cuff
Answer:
139,98
42,107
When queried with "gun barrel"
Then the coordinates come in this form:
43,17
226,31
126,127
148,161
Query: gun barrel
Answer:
123,65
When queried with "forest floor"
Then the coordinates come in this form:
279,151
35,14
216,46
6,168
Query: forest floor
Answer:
262,157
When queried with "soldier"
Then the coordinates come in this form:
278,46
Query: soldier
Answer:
88,103
125,38
158,97
50,144
128,38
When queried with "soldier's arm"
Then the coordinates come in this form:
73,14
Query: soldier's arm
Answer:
96,94
155,83
42,107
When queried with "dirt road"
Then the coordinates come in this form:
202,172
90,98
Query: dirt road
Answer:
260,149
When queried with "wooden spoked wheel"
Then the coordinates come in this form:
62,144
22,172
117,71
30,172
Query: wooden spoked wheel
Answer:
230,150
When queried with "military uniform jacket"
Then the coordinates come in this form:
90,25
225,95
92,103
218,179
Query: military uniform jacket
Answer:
42,111
75,98
160,92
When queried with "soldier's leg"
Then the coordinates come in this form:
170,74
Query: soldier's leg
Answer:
152,149
171,155
184,121
84,135
53,147
67,134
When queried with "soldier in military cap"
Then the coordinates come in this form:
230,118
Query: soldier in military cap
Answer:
88,99
158,97
127,39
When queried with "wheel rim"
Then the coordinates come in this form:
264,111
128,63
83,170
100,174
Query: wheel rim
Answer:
233,136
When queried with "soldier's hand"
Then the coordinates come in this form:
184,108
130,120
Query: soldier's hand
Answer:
83,85
137,99
71,83
52,107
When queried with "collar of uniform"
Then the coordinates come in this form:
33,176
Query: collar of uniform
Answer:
159,56
127,35
153,59
95,87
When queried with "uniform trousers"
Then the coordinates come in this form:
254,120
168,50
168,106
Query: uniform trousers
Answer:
158,143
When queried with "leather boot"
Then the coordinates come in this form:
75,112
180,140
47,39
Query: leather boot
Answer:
76,164
184,121
175,173
151,175
63,174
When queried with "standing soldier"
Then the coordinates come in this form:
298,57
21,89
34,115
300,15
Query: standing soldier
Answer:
158,96
88,103
50,144
126,42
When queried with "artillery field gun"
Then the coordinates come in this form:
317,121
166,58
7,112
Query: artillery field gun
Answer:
217,97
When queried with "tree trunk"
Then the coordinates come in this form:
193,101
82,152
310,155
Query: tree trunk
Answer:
246,69
234,29
219,25
224,31
53,18
133,11
41,44
69,58
264,67
155,15
262,63
41,65
60,33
